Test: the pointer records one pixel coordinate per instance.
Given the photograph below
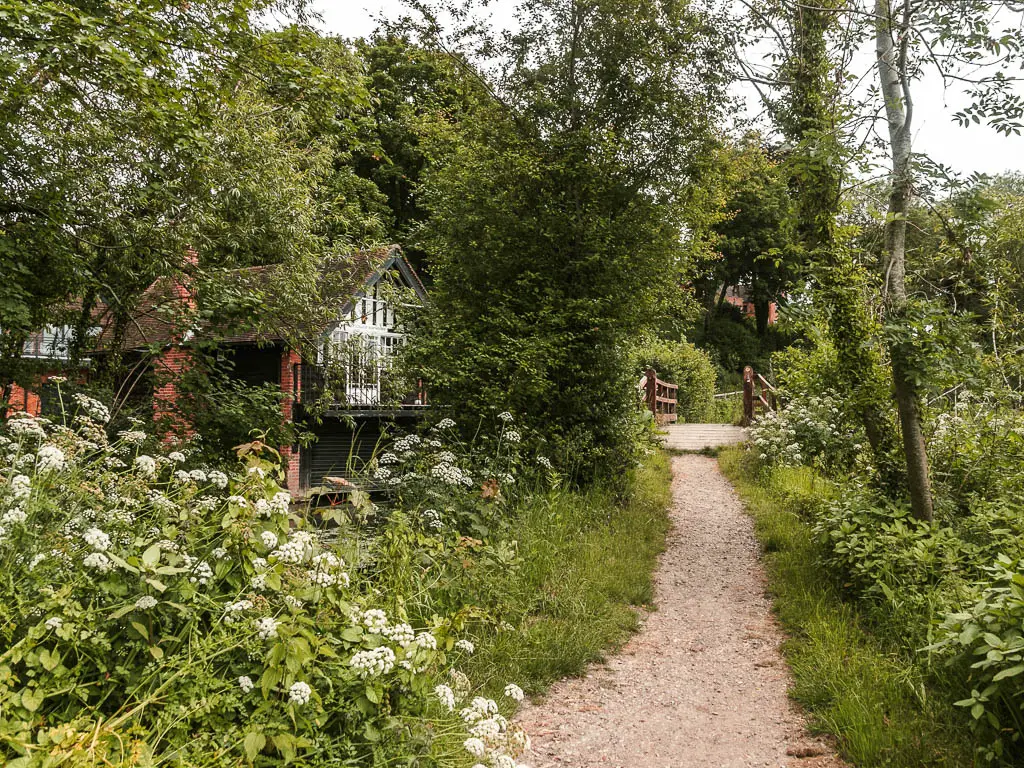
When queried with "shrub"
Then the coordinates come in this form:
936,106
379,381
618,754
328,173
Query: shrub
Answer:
681,363
156,611
807,431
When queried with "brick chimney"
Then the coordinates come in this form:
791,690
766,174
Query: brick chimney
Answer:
174,361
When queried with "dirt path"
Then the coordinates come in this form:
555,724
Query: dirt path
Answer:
703,683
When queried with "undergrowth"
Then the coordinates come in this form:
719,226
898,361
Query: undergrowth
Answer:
587,563
876,701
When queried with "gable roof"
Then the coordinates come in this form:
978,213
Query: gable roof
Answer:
165,313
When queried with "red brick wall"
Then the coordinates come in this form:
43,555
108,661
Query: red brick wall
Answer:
291,367
24,400
169,368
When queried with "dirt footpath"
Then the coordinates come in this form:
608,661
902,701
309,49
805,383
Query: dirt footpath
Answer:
703,683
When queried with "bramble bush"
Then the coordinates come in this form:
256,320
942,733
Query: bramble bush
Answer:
154,611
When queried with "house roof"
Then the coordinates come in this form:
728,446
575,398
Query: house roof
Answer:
167,311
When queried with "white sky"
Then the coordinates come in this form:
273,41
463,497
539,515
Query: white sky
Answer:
964,149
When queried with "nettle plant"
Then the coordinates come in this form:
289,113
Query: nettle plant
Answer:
809,431
158,613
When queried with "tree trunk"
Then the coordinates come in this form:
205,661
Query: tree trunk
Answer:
811,121
899,110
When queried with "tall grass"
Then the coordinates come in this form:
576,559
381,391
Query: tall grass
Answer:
872,698
587,563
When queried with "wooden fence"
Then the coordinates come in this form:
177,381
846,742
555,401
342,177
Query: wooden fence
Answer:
757,392
661,397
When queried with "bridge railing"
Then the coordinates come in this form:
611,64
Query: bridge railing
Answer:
757,392
660,397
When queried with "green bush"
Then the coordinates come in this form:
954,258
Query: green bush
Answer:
681,363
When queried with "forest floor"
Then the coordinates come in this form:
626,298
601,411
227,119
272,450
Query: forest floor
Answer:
704,682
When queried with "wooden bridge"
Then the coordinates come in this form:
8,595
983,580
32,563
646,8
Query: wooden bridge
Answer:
661,398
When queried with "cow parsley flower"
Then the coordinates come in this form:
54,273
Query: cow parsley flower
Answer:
378,661
466,646
266,628
24,425
388,458
146,602
220,553
245,683
36,561
218,479
400,634
14,516
382,473
475,746
281,502
50,458
506,417
427,641
176,456
513,437
446,696
375,621
132,436
232,609
238,501
514,692
197,475
182,477
256,472
21,487
432,519
445,424
146,465
299,693
99,561
94,409
97,539
54,623
269,539
201,573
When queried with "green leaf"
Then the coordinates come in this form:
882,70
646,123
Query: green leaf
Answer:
141,629
156,652
151,556
977,711
374,693
31,698
1011,672
49,659
254,744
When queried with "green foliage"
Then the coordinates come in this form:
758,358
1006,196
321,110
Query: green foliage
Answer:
871,694
681,363
554,222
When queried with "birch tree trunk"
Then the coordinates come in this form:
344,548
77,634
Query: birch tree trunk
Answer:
891,43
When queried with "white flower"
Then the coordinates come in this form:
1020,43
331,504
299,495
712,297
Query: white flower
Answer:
259,582
427,641
375,620
182,477
13,516
176,456
97,539
281,502
245,683
465,645
94,409
448,474
378,661
232,608
402,634
220,553
201,573
36,560
269,539
544,462
475,746
383,473
50,458
506,417
266,628
446,696
263,508
432,520
21,487
445,424
299,693
256,472
238,501
514,692
146,465
293,601
99,561
145,602
512,436
197,475
54,622
132,436
218,479
388,458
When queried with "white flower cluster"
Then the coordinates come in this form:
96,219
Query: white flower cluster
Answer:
406,444
94,409
388,458
445,424
218,479
54,623
513,437
266,628
490,737
146,465
402,634
447,457
201,573
232,609
245,683
21,487
466,646
545,462
50,458
297,549
450,474
432,519
299,693
382,473
145,602
514,692
327,570
506,417
375,621
378,661
14,516
446,696
176,456
97,539
132,436
269,539
98,561
23,425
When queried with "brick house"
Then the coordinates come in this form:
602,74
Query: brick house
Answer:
355,336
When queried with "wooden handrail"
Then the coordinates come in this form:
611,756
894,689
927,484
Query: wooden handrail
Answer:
756,389
661,397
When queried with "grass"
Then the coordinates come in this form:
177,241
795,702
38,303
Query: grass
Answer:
872,698
587,563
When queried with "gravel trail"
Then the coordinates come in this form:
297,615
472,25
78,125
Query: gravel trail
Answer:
703,684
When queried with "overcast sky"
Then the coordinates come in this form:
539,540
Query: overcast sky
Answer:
965,149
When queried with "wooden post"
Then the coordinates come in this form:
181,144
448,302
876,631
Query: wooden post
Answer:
652,391
748,396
